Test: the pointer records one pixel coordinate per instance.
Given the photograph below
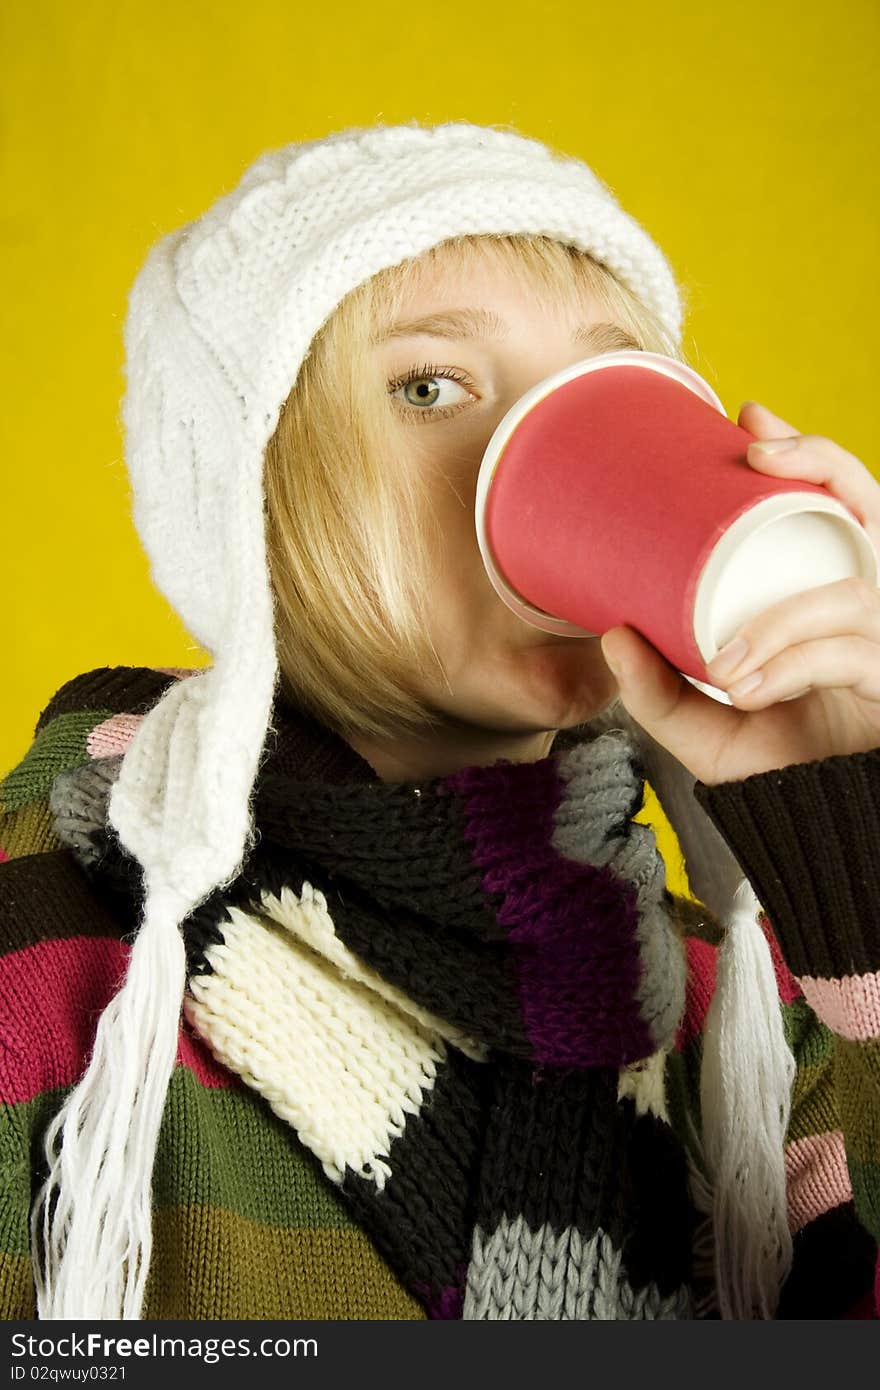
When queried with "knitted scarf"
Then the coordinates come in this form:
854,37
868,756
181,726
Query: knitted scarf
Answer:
460,994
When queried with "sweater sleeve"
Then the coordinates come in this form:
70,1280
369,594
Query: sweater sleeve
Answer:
93,715
808,838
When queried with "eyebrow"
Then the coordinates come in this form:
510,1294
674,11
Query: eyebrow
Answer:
485,324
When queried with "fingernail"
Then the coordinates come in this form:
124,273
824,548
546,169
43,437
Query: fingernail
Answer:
773,446
729,657
745,685
770,412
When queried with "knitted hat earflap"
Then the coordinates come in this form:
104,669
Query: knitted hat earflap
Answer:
180,803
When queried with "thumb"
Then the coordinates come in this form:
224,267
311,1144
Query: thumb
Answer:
649,686
689,724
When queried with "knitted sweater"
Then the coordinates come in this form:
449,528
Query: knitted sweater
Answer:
249,1221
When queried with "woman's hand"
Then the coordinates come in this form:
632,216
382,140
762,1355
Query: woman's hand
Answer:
822,646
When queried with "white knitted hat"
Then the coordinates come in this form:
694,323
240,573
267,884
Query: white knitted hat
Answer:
220,319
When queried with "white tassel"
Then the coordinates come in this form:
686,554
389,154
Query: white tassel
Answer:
745,1091
91,1225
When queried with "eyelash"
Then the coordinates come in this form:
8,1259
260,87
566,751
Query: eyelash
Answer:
429,370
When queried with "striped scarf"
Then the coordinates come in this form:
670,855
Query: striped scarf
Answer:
460,994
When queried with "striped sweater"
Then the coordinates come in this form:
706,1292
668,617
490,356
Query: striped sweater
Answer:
251,1222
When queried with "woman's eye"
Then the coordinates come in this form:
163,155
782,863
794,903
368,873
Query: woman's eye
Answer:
430,391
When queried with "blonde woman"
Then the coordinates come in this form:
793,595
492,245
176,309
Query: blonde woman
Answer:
339,980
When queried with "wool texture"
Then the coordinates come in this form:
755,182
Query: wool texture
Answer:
440,1051
219,320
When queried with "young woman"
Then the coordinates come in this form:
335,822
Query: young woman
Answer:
410,1024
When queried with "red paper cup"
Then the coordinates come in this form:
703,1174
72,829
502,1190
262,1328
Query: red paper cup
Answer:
617,491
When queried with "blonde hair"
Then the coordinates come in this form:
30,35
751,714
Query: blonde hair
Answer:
349,537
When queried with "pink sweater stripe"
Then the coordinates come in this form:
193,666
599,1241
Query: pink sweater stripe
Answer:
42,1005
849,1006
817,1177
112,735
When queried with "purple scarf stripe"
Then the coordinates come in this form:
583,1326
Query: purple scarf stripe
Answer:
445,1304
578,969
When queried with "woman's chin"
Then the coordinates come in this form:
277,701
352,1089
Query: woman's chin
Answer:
544,702
568,681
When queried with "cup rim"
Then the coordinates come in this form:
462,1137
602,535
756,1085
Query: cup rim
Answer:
620,357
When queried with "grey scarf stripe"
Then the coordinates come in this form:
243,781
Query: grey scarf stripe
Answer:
78,806
538,1275
602,783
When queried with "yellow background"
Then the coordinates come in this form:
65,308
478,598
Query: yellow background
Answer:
744,139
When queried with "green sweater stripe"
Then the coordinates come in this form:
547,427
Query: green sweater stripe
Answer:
809,1039
228,1148
60,745
814,1106
865,1179
216,1147
857,1069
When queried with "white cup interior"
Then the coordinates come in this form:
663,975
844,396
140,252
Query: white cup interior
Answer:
786,544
